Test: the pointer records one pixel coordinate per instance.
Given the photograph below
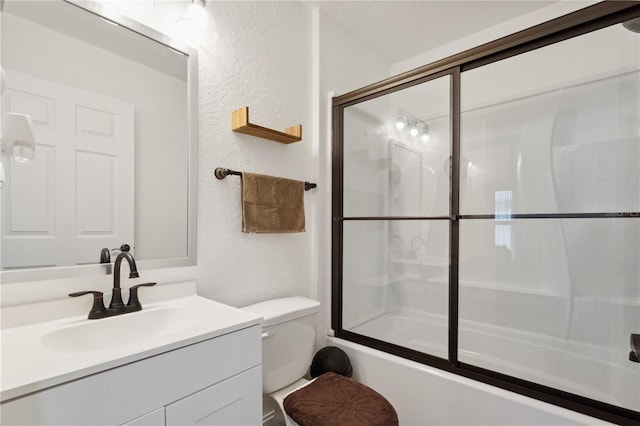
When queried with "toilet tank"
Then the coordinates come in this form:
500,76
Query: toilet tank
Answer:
288,338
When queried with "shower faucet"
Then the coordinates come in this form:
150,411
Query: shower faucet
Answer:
413,252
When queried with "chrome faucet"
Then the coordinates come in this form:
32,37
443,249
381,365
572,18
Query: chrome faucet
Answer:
116,307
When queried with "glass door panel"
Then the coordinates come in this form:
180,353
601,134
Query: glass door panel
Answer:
552,301
395,294
396,151
564,137
549,258
395,273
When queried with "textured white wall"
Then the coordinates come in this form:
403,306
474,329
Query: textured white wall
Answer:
262,60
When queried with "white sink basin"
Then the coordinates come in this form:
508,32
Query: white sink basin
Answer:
91,335
40,355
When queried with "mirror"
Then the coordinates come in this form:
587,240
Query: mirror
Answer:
114,111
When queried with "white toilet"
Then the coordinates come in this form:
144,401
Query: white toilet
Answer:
288,339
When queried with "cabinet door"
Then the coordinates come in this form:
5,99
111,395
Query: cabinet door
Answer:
235,401
154,418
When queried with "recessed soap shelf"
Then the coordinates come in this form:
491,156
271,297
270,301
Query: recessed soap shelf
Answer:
240,123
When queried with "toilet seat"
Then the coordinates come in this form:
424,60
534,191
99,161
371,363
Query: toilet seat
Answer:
281,394
337,400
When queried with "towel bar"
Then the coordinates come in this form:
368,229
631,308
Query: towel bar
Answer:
222,173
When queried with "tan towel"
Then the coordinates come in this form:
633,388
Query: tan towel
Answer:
271,204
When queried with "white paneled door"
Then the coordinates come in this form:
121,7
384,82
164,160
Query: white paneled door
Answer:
77,195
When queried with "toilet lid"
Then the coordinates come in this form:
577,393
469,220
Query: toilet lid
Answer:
337,400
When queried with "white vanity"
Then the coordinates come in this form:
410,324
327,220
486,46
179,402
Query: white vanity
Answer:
179,361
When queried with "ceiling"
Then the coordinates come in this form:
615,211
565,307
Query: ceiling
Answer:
399,30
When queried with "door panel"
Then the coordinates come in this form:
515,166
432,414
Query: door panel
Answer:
84,158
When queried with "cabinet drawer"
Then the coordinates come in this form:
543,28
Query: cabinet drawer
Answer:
124,393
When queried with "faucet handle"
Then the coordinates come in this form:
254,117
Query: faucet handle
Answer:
134,303
97,310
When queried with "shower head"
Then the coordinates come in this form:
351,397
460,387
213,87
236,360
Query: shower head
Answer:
632,25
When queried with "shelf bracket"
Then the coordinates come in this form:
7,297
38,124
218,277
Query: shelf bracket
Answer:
240,123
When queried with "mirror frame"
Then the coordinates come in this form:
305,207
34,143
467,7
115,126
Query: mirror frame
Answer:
40,274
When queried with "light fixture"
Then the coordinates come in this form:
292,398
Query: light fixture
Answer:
17,137
413,129
193,17
425,133
401,122
16,140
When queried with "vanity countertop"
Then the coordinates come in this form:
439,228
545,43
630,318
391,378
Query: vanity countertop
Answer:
41,355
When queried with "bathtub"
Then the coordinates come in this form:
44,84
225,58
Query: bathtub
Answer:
424,395
589,370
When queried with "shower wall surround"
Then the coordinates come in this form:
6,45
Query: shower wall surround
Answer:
507,246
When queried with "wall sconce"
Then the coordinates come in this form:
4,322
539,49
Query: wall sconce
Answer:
17,137
194,16
413,128
425,133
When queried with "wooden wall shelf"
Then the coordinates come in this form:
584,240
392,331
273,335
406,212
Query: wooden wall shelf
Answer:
240,123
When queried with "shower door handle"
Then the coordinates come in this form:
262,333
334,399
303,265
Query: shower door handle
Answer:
634,341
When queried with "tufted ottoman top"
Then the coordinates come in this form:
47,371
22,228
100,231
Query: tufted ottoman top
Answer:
335,400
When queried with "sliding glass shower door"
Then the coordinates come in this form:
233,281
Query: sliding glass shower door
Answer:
396,217
487,213
549,269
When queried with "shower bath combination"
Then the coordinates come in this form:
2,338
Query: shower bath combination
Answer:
509,245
